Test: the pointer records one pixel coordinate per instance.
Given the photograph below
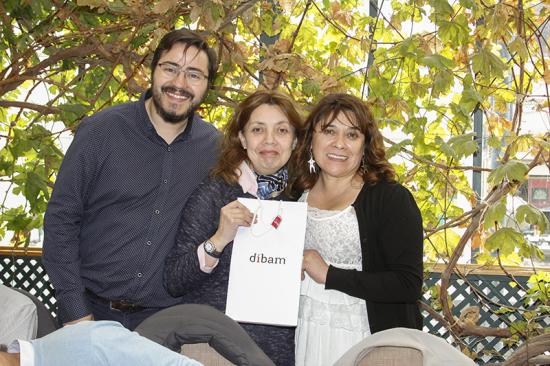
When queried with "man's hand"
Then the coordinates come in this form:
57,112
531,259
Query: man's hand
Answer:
315,266
87,317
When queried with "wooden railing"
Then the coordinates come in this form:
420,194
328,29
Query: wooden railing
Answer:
23,252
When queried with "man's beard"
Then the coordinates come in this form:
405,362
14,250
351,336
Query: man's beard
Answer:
171,117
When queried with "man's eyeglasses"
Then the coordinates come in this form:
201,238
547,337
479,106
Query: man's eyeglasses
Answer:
193,77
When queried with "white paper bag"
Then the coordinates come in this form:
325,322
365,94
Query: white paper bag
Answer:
265,274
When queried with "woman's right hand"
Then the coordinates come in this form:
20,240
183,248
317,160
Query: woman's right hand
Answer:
232,216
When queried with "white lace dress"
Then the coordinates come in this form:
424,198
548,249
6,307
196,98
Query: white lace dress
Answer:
329,321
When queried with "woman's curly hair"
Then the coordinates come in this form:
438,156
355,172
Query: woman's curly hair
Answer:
232,153
375,166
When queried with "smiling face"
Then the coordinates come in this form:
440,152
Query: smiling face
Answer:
338,147
174,99
268,138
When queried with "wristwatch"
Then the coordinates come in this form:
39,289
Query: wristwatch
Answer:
210,249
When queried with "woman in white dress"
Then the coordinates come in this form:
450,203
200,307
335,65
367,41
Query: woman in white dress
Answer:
363,252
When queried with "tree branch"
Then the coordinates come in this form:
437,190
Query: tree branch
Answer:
245,5
292,40
12,82
27,105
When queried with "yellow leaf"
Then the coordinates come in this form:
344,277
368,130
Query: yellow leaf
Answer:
541,106
282,45
442,244
266,64
498,124
397,107
395,21
333,61
500,105
163,6
477,240
365,44
547,76
512,259
519,47
287,5
330,82
92,3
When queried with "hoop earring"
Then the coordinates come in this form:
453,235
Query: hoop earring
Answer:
311,162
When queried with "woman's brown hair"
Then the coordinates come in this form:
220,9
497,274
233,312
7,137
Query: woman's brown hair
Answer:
375,166
232,153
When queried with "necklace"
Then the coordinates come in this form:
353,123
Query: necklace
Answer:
257,220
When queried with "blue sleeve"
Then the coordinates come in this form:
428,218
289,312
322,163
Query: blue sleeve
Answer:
62,222
131,348
199,221
98,343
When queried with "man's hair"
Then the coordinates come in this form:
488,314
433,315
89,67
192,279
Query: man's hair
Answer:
190,39
3,348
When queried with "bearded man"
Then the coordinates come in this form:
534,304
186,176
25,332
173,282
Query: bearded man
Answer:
116,204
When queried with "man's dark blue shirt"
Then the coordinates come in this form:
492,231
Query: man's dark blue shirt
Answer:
116,205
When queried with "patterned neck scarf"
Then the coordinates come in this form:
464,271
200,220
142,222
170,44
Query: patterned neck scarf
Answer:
272,185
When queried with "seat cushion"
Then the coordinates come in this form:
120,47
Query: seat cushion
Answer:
392,356
205,354
194,323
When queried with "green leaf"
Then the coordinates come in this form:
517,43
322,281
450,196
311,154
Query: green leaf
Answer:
396,148
21,143
468,4
453,32
505,240
512,170
470,99
16,219
519,48
92,3
117,6
442,82
463,145
437,61
532,215
72,112
445,148
267,24
442,244
504,310
495,213
311,87
495,142
143,35
487,64
442,7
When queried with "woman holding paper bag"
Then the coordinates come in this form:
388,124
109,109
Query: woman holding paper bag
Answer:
363,258
256,148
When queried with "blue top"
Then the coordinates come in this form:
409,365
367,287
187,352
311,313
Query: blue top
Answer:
97,343
183,276
116,204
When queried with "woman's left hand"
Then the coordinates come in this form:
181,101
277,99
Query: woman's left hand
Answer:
315,266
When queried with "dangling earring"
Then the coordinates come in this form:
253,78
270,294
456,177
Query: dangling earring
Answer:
364,166
311,162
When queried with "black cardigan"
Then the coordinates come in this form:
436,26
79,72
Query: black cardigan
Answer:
390,228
